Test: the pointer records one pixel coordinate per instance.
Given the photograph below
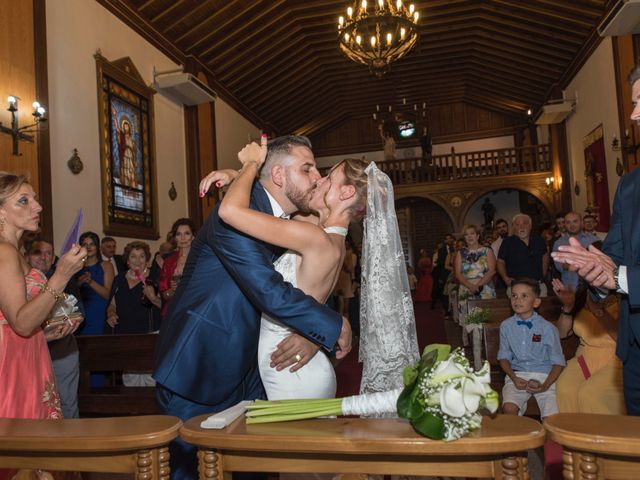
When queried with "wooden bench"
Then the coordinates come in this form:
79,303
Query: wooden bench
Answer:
500,308
137,445
363,446
596,447
113,355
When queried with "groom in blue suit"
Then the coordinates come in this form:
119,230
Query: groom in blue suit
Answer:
617,267
206,357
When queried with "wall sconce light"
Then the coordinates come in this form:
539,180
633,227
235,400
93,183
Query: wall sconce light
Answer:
630,146
615,143
20,133
553,185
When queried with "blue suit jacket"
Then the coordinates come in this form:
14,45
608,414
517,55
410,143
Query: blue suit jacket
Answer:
623,245
208,340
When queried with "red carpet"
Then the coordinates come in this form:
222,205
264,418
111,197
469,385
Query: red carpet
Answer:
430,329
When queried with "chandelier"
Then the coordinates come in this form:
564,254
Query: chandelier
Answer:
378,35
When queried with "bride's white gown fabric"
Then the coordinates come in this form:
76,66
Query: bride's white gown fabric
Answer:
317,379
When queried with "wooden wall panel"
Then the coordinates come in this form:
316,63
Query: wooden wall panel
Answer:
625,57
450,122
18,78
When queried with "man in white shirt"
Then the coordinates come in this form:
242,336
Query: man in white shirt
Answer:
108,250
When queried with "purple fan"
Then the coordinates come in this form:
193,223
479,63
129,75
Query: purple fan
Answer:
73,234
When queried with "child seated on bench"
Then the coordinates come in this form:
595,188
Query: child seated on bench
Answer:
530,353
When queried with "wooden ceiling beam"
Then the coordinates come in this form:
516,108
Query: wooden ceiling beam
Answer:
530,7
167,10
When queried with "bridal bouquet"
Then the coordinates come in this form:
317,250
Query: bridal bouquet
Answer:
441,398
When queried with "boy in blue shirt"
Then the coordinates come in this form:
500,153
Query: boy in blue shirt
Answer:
530,353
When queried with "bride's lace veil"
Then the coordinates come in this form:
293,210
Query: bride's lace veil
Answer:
388,340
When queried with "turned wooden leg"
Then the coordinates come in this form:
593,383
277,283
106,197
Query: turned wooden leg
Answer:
210,466
567,464
164,471
512,468
588,466
144,465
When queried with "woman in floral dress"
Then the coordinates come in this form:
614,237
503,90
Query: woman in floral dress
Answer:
474,267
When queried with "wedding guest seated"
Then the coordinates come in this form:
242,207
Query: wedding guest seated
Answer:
523,254
592,381
135,303
183,232
530,353
63,351
474,267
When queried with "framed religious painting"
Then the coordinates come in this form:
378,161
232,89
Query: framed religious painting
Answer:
127,150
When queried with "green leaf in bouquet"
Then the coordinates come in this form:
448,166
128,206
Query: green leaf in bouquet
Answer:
429,425
409,374
442,352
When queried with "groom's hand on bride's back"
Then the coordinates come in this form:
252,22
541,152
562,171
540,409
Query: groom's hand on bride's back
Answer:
294,351
344,340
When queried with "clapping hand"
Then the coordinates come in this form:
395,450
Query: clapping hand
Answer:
566,295
594,266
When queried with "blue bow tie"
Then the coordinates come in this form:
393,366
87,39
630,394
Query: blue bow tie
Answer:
527,323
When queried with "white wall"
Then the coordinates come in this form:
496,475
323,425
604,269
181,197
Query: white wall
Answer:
75,30
438,149
597,104
233,132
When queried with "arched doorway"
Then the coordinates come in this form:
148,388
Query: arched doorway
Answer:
508,202
423,224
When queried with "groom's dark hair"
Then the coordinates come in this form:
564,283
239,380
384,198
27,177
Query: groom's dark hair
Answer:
280,147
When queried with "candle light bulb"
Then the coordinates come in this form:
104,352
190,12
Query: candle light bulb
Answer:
404,101
381,3
41,111
358,39
402,32
373,41
364,4
375,117
415,107
389,38
341,20
377,108
346,37
389,108
12,100
35,105
411,8
399,4
349,12
416,16
424,105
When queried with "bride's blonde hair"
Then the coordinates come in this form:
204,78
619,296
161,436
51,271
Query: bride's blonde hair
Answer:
354,173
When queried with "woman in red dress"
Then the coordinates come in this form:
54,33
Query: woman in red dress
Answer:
27,382
425,283
183,232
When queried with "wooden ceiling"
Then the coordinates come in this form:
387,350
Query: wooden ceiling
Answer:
280,58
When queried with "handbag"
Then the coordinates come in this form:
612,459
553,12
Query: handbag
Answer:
64,311
54,322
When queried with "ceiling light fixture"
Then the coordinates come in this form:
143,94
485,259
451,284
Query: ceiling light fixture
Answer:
379,34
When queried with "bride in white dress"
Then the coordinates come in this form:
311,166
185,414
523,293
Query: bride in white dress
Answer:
312,263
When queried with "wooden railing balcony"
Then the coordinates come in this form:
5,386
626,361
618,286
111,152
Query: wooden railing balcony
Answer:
468,165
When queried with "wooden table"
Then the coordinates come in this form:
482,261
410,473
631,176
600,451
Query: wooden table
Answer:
355,445
136,445
597,446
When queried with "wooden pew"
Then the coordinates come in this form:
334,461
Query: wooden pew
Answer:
137,445
500,308
596,447
114,354
359,446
